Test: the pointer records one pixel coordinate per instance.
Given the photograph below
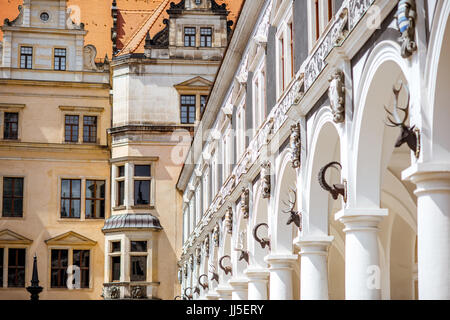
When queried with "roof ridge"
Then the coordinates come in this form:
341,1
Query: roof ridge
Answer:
141,32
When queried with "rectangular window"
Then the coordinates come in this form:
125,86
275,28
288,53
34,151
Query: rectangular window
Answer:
60,262
282,64
120,186
316,8
203,100
71,131
189,37
138,246
121,171
115,246
11,128
95,199
142,184
291,48
205,37
81,259
26,57
115,269
138,268
70,198
188,109
2,252
12,197
90,129
16,268
60,59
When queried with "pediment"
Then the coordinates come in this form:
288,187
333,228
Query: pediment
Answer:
10,237
197,82
71,238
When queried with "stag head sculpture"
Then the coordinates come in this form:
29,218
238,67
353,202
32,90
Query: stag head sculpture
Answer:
215,276
295,216
336,189
264,242
244,254
408,134
227,269
205,285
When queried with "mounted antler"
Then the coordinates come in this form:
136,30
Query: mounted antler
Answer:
264,241
296,216
215,276
408,134
227,269
203,285
188,296
244,254
337,189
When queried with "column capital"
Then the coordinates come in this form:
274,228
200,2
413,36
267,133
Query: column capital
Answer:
363,219
281,261
429,177
313,244
255,274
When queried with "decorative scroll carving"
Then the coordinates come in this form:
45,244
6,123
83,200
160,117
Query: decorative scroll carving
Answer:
138,292
206,246
357,10
229,220
114,292
90,52
242,76
264,242
336,93
406,21
216,235
265,176
114,14
340,30
263,29
17,21
295,144
198,255
240,248
336,189
245,202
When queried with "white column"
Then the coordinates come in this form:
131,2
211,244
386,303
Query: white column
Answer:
314,267
362,261
224,292
239,287
258,280
281,276
433,229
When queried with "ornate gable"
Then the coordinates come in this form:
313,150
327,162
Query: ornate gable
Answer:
70,238
10,237
194,83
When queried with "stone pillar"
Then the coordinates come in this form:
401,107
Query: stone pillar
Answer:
258,280
314,267
362,261
240,287
281,276
433,229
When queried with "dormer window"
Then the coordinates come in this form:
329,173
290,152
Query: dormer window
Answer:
205,37
189,37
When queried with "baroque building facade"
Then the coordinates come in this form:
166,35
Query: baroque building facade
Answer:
88,151
321,167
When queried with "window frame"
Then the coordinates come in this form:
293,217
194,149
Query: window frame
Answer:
205,37
70,199
143,178
11,138
59,58
71,125
70,262
26,55
95,199
190,36
92,136
189,107
12,197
